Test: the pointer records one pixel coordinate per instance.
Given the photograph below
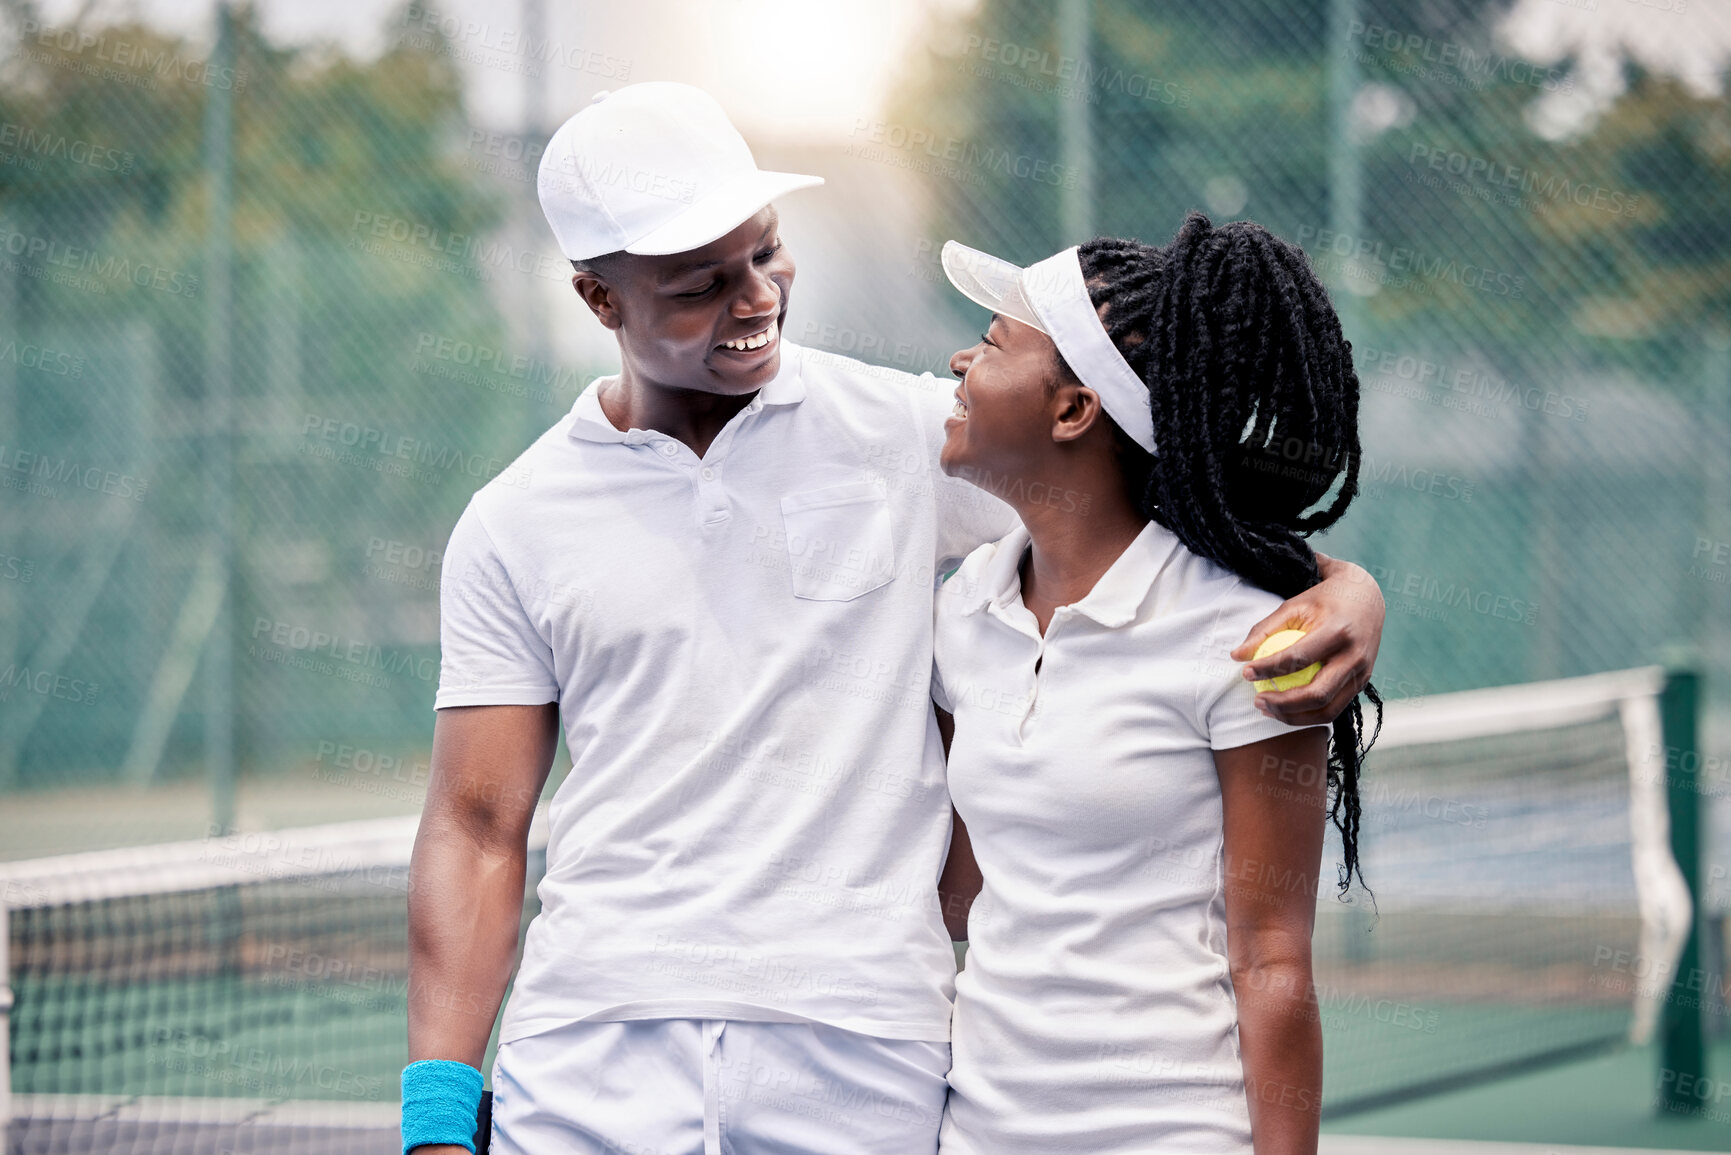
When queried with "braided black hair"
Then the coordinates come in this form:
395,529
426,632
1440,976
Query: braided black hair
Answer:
1255,406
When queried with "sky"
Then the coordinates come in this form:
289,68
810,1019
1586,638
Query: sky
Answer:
808,71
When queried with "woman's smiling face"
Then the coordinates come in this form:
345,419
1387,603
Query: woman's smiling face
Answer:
1003,417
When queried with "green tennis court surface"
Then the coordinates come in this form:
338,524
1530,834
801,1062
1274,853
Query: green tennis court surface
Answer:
246,993
1604,1101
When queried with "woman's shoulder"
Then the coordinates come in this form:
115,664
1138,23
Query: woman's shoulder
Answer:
1210,582
1224,600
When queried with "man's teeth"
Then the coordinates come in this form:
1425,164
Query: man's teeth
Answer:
960,409
755,341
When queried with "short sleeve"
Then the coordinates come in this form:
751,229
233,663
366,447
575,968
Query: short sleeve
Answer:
490,653
1225,701
969,515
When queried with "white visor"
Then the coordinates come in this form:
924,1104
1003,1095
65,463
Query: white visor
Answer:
1051,296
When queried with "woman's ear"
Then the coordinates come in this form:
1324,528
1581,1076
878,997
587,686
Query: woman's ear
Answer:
1077,409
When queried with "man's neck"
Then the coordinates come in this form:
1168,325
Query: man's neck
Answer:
691,416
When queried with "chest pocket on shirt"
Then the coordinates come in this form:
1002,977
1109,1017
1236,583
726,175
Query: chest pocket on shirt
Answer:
840,542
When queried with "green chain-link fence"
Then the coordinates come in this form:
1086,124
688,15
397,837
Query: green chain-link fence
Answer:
287,390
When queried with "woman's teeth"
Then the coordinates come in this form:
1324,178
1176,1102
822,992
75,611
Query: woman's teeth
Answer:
755,341
960,409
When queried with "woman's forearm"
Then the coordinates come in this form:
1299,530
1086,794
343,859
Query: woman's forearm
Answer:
1280,1039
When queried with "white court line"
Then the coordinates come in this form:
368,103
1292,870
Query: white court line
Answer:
208,1112
1376,1145
386,1116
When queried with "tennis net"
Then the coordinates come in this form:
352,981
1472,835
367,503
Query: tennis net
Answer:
241,993
247,992
1517,841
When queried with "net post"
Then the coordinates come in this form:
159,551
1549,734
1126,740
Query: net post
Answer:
5,1023
1682,1049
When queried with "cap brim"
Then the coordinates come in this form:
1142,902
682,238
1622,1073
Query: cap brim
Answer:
719,212
989,281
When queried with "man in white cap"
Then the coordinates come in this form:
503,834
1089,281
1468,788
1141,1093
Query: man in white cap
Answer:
720,578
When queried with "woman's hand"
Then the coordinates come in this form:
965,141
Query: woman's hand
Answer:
1341,617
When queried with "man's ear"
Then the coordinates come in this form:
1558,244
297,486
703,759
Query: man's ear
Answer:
599,296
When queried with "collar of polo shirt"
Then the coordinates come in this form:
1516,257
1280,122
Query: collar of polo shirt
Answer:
590,423
1115,598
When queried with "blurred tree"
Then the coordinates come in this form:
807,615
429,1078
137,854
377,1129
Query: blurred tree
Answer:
357,232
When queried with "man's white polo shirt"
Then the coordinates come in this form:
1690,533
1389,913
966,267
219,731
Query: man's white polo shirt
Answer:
740,646
1096,1011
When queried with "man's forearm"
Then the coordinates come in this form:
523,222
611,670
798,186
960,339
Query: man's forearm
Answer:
465,907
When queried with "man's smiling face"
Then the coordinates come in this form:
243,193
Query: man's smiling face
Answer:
708,319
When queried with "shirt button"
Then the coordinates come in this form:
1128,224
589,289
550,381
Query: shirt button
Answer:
708,473
668,449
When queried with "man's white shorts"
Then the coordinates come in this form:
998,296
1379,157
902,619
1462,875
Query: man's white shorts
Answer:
714,1087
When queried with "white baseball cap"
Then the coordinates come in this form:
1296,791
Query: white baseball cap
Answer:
652,168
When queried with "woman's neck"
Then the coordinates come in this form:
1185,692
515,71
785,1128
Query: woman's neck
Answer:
1071,548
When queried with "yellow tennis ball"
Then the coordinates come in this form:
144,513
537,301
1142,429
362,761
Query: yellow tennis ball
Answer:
1273,644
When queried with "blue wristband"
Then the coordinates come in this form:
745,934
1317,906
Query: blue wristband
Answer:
440,1099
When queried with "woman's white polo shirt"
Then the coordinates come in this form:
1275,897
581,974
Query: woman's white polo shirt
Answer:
1096,1010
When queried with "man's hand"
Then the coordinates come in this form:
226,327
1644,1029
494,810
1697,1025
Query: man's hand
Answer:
1341,617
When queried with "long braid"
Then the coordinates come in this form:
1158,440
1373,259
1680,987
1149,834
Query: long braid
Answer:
1244,359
